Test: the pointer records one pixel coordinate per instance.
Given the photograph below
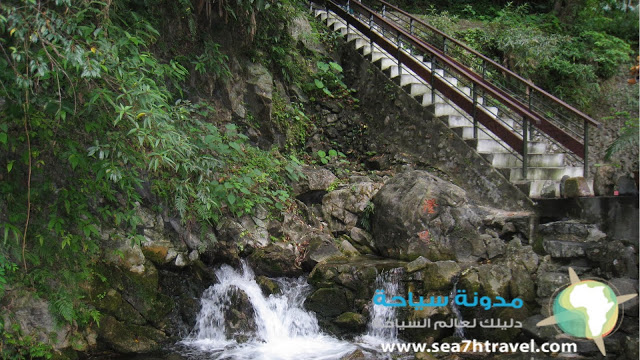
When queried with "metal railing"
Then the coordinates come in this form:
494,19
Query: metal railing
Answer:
565,125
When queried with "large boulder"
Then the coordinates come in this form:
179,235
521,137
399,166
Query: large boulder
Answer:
418,214
274,261
342,207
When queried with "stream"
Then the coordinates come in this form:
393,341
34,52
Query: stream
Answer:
282,329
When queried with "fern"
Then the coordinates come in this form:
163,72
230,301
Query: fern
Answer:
63,307
628,137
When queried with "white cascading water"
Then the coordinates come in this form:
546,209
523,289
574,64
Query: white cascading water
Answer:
388,281
284,330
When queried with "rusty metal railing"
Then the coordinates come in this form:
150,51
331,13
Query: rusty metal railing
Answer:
403,35
563,116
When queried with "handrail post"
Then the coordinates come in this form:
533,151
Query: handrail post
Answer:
475,110
585,168
433,83
398,58
525,147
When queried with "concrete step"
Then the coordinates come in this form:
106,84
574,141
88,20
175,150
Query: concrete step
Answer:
492,146
466,132
356,36
322,14
418,89
506,160
544,171
540,173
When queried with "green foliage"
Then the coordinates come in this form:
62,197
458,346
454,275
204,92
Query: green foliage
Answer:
569,62
606,52
212,61
332,155
273,45
291,120
14,345
628,138
328,81
365,218
90,115
7,270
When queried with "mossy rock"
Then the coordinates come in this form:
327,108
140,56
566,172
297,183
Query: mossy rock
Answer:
274,261
329,302
157,254
267,285
129,339
351,321
439,275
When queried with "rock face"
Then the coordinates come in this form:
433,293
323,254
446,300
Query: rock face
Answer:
418,214
33,317
342,207
603,181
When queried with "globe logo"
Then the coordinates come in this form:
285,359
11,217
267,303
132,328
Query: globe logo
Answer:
586,309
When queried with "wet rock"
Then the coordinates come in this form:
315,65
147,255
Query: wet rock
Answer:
576,187
267,285
128,338
355,355
321,248
351,321
603,180
417,264
274,261
418,214
239,317
494,280
347,249
329,302
342,207
439,275
111,302
627,186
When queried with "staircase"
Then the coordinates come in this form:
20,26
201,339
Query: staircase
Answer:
538,162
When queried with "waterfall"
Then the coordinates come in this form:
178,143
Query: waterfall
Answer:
459,331
388,281
283,329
